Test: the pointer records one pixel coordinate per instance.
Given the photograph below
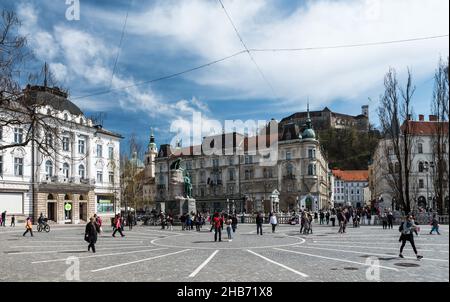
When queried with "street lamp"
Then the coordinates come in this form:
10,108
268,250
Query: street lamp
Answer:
426,168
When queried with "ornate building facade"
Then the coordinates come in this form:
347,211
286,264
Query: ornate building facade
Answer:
238,179
79,176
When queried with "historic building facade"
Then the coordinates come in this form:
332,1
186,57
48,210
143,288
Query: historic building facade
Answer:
423,167
77,178
240,180
350,187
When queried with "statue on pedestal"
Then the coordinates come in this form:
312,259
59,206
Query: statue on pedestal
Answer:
187,185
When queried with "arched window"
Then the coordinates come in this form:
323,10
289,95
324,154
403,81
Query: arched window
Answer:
50,197
66,197
421,168
81,171
66,170
81,197
49,168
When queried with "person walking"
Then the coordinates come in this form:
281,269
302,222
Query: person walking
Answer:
234,223
183,222
130,221
13,221
117,226
170,222
384,221
90,233
28,227
259,224
228,222
342,222
273,221
369,217
316,217
407,228
390,218
333,219
321,216
327,217
4,219
99,222
434,226
217,223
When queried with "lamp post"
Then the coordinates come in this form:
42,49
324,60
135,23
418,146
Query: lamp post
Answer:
426,168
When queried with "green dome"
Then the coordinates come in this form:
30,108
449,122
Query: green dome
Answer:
309,133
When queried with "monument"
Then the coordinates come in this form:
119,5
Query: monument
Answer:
180,190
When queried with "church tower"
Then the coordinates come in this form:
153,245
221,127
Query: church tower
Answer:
150,156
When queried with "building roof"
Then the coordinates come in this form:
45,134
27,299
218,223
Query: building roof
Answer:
53,97
426,128
352,175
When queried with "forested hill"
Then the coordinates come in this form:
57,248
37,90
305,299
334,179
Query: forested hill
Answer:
348,149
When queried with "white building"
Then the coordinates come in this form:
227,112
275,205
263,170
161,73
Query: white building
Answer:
422,168
80,177
349,187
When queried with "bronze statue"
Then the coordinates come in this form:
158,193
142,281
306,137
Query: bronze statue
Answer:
187,186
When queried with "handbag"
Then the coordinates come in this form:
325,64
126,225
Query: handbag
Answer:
86,237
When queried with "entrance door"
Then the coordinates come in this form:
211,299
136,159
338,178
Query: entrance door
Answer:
83,211
51,211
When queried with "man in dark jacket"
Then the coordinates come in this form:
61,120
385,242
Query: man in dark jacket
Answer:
234,222
90,234
259,223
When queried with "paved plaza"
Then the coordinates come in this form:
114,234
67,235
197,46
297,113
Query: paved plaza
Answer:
151,254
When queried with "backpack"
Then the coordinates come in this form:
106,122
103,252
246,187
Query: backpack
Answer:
400,228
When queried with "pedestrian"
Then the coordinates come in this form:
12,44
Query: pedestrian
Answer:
217,227
170,222
302,222
316,216
327,217
259,223
118,226
90,233
310,220
183,222
228,223
390,218
13,221
342,222
28,227
321,216
435,226
273,221
234,223
384,221
369,218
406,228
99,222
333,219
130,221
4,219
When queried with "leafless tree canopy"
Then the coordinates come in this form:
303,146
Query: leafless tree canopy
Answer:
395,112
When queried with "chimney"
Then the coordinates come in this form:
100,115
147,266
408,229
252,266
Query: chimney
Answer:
433,118
421,118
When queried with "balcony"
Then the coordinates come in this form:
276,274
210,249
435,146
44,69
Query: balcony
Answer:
290,177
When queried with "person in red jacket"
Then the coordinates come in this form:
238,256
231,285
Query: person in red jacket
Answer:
217,223
118,225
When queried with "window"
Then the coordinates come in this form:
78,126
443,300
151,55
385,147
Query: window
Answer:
421,184
421,167
111,152
248,174
49,139
311,153
231,161
231,190
231,174
111,177
202,163
66,117
66,170
49,168
18,135
1,164
420,148
99,151
81,146
288,155
248,159
65,142
99,176
81,172
189,165
290,170
18,166
202,176
311,169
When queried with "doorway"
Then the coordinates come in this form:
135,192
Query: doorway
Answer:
83,211
51,211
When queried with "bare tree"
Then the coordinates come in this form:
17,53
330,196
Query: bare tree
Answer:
439,108
395,107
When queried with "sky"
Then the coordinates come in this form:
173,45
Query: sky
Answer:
95,54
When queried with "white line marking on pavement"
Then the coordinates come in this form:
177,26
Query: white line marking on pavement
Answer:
79,251
366,253
336,259
372,247
394,241
194,273
133,262
279,264
98,255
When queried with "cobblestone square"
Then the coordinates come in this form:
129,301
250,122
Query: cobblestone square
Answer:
365,254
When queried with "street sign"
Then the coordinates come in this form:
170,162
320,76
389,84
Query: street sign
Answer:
68,207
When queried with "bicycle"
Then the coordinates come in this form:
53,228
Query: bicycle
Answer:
43,227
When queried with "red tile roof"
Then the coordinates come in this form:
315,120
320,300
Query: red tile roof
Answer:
352,175
426,128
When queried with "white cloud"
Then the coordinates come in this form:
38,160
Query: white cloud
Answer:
202,29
